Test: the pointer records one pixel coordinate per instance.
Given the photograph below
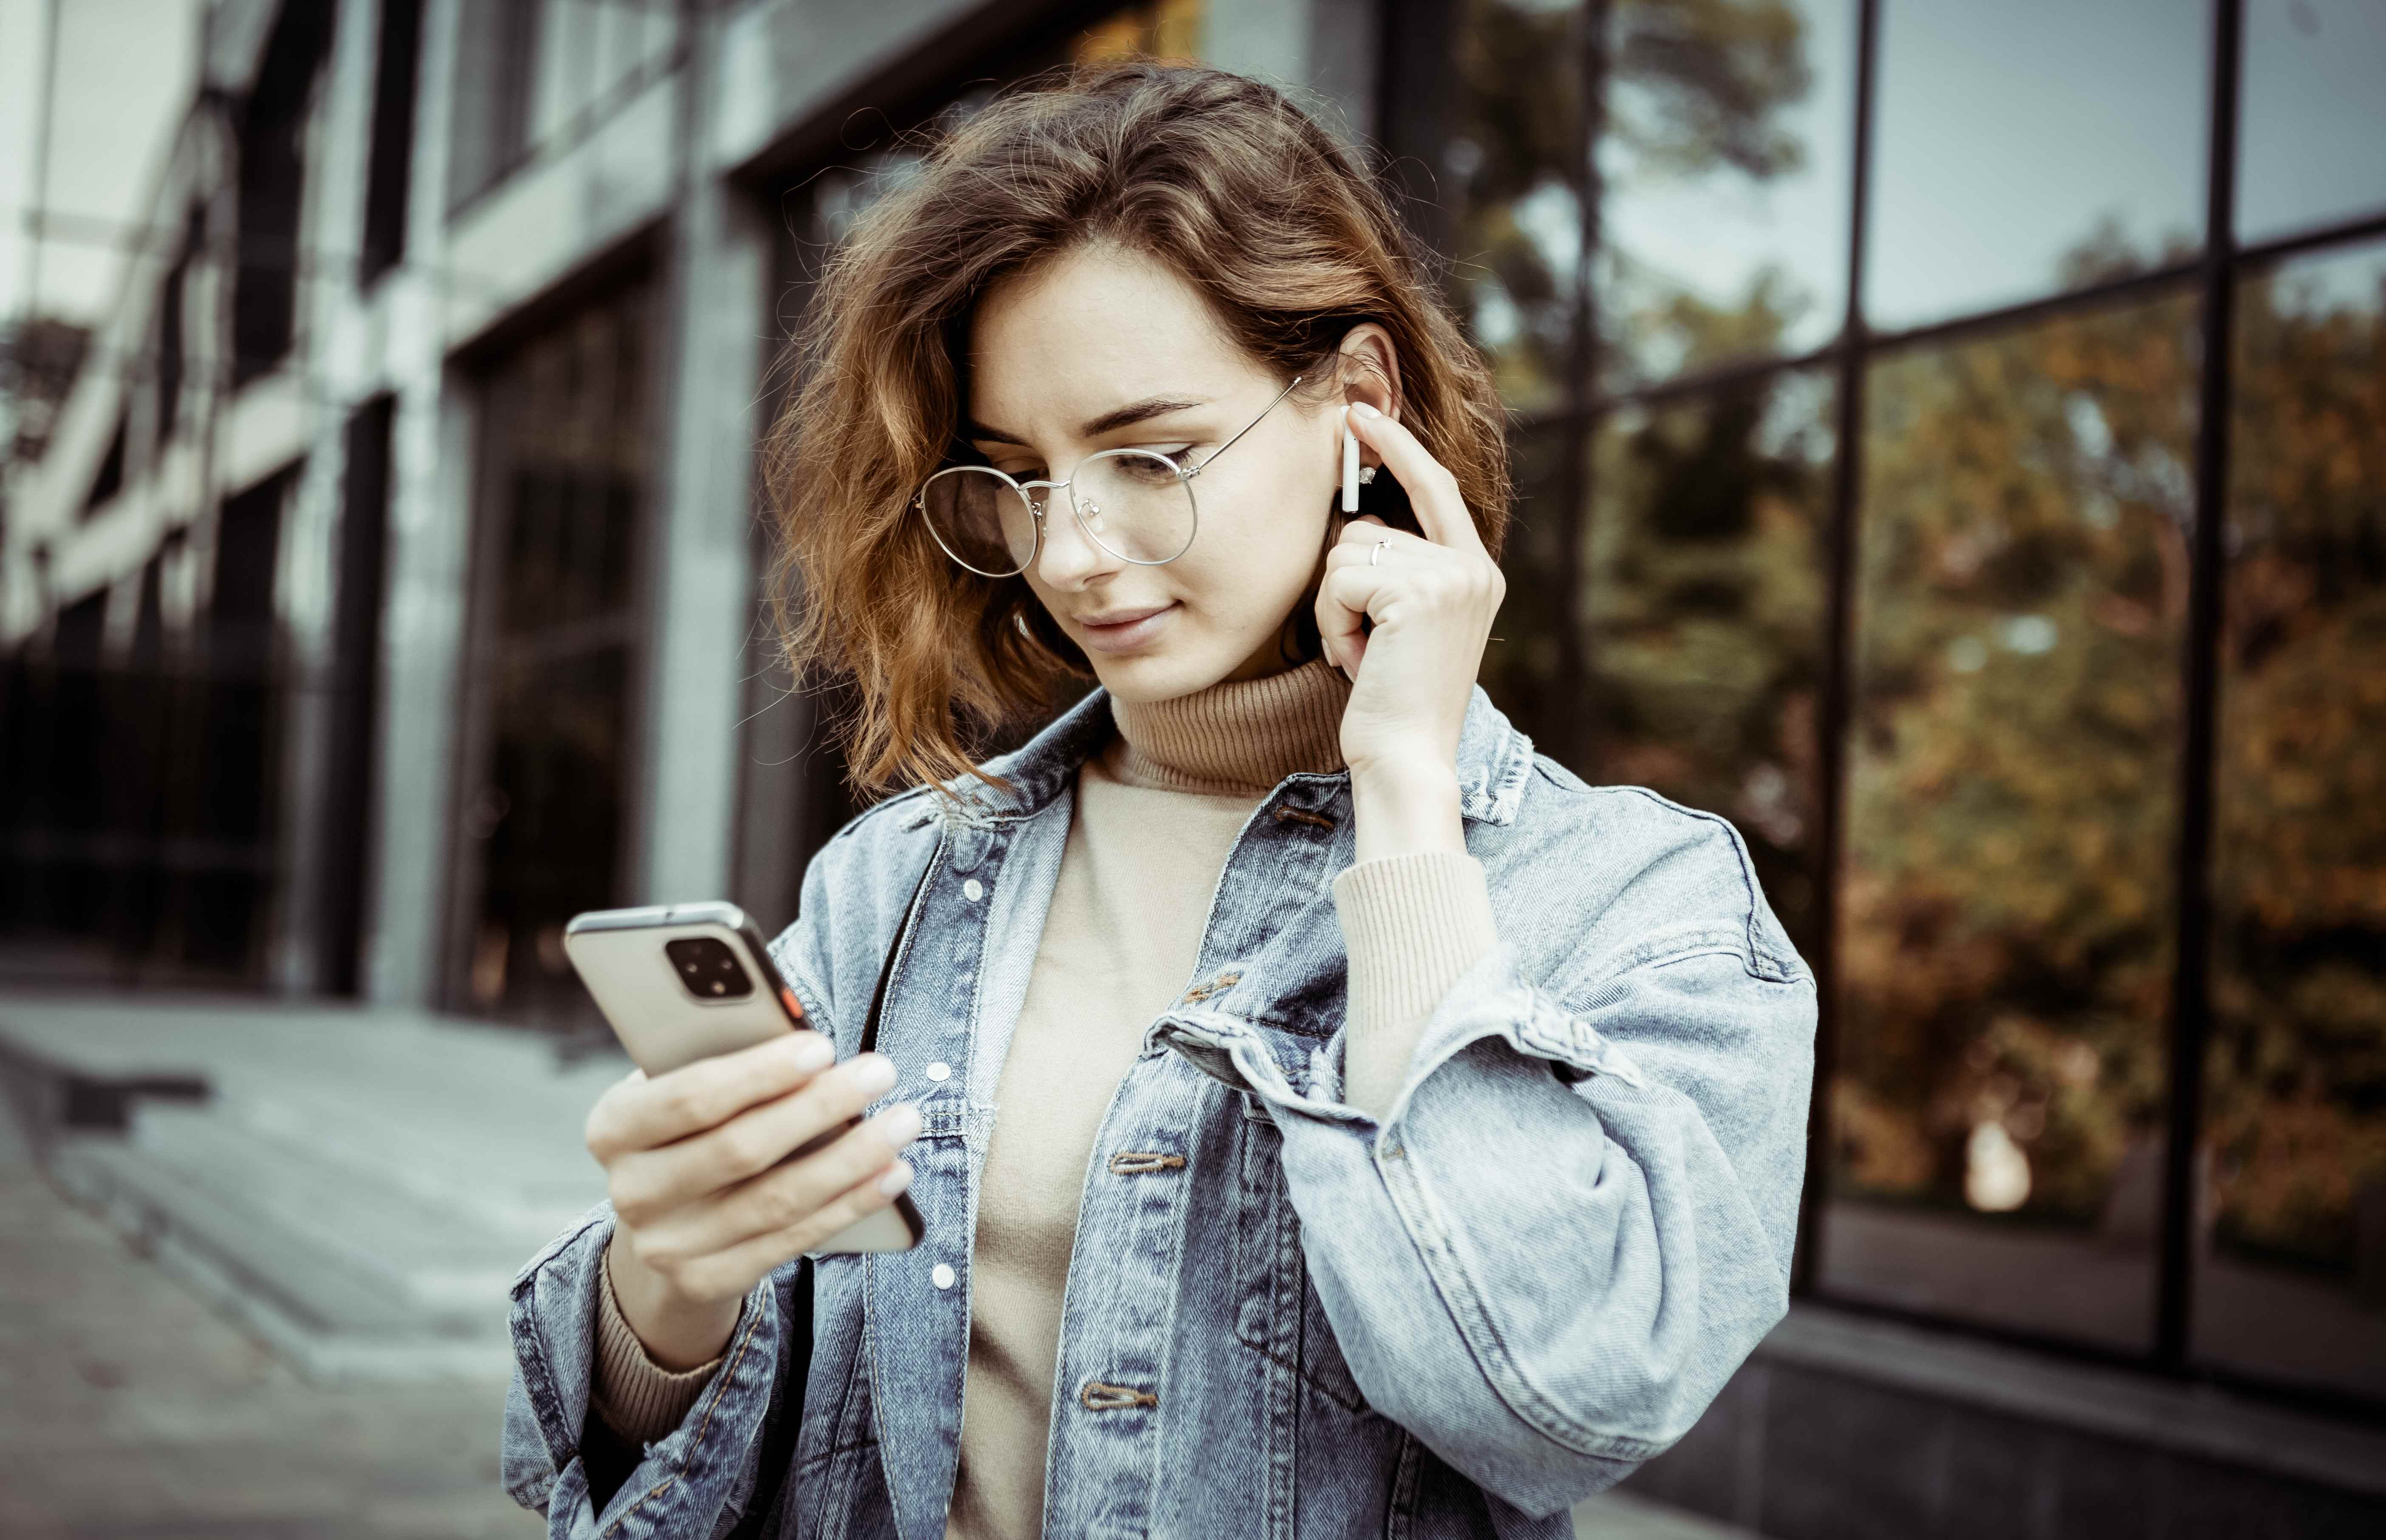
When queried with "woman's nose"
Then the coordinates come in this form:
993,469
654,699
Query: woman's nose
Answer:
1069,559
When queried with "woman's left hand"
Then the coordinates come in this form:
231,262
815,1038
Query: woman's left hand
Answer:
1430,600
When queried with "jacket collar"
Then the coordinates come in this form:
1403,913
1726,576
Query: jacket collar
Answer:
1493,761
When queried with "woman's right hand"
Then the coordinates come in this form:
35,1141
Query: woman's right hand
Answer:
704,1211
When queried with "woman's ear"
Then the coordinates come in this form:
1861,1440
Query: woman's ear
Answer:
1370,369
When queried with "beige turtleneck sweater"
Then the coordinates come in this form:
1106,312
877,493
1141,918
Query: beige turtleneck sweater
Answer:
1156,814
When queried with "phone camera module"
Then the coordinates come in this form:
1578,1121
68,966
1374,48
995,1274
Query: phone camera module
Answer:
707,969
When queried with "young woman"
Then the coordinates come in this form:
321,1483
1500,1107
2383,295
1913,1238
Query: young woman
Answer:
1330,1117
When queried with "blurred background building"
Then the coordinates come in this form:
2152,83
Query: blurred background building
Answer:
1952,446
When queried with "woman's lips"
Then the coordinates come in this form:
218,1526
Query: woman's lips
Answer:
1127,629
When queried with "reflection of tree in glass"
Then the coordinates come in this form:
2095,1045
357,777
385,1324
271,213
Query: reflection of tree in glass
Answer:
1706,599
2007,911
1696,91
2008,894
1691,85
1697,81
1512,163
2297,1108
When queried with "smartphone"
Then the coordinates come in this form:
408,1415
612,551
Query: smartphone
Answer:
688,981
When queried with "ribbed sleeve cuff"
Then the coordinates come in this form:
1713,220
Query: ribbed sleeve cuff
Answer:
1411,925
636,1396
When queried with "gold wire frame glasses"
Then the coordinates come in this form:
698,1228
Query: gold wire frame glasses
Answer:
1136,504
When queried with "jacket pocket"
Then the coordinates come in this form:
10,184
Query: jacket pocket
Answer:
1430,1501
1277,1310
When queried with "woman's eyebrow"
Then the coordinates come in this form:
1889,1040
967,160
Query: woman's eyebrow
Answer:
1110,421
1158,405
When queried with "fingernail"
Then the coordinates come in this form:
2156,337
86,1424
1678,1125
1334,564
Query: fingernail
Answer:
1360,408
897,1177
902,1124
876,1072
812,1052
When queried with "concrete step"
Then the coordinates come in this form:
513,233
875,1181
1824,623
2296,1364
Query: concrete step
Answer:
358,1186
53,1094
333,1320
441,1257
469,1161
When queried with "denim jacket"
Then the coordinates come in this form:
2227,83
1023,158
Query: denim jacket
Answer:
1572,1225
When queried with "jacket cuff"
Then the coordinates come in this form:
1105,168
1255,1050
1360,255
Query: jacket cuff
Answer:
1412,924
638,1397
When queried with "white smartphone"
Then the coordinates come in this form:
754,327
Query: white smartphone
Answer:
688,981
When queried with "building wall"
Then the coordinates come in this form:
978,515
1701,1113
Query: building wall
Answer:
644,138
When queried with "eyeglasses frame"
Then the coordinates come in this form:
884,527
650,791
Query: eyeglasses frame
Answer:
1184,475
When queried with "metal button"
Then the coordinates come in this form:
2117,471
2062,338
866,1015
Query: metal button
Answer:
973,890
940,1071
941,1275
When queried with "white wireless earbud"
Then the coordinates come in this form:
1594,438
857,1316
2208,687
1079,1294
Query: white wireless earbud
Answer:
1349,464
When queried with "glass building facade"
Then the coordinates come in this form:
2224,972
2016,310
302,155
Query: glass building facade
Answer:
1953,447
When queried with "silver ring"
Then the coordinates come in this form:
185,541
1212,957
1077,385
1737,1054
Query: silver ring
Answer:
1376,555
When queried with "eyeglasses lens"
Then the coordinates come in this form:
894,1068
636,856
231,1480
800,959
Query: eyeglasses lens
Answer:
1136,504
982,520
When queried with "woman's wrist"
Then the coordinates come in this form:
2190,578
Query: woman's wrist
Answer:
678,1333
1404,810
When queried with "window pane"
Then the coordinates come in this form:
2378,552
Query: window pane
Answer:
496,58
2313,113
2006,908
1725,168
1508,173
1706,611
2031,146
569,435
2294,1268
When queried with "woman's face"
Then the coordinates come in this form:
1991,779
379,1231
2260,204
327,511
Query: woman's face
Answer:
1104,333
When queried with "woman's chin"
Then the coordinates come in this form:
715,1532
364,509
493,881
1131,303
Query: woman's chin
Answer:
1160,673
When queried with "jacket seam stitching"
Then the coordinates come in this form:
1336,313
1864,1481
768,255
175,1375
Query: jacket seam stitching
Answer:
1308,1376
1750,895
1760,961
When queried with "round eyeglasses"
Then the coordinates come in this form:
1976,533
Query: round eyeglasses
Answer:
1136,504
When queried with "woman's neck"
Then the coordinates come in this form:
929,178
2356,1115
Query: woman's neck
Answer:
1236,738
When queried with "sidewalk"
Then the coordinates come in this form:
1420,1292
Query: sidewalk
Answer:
270,1302
357,1187
133,1409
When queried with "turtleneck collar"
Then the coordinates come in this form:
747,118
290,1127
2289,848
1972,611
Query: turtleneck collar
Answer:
1239,737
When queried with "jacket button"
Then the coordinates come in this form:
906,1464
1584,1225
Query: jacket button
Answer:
941,1275
940,1071
973,890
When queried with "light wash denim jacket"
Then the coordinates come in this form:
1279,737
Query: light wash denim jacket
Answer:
1571,1227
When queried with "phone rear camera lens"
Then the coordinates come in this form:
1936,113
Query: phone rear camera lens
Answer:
709,961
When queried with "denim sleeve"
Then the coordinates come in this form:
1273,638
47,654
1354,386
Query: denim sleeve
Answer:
1576,1219
698,1479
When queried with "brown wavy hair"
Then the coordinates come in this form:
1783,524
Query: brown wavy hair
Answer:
1221,178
